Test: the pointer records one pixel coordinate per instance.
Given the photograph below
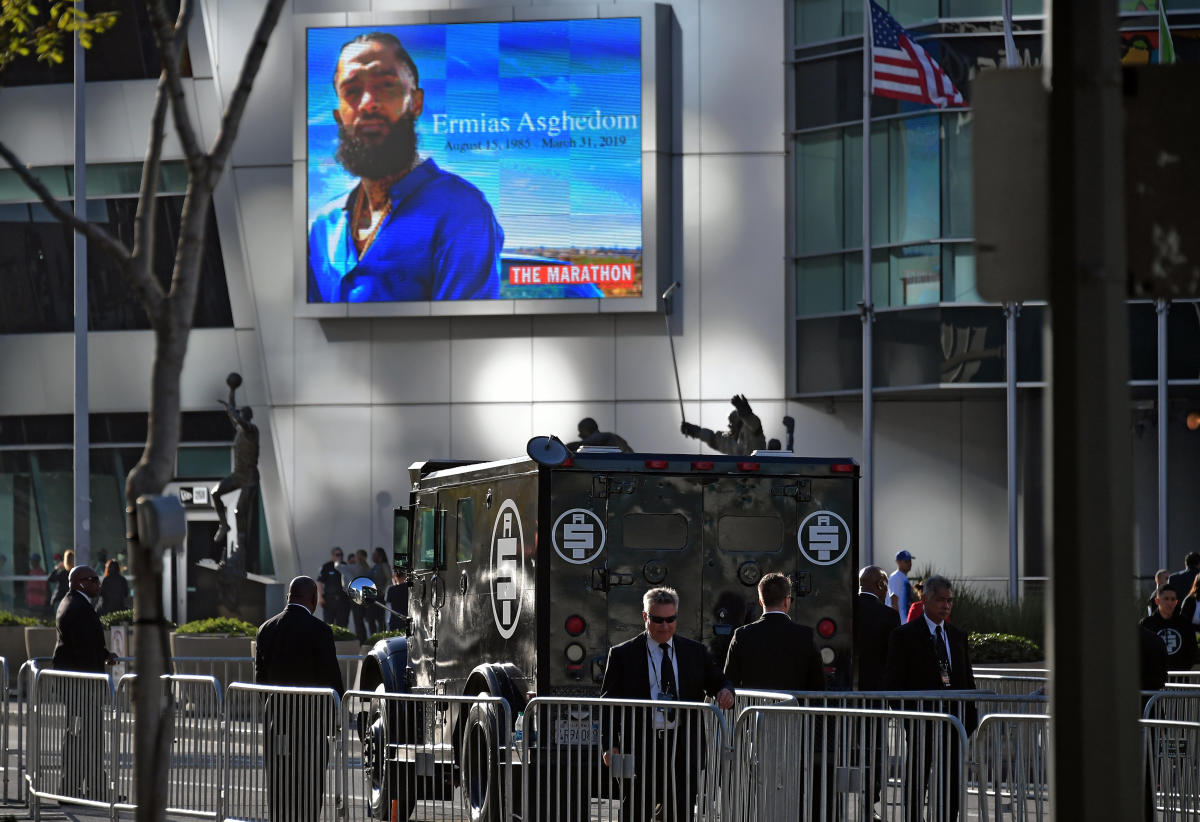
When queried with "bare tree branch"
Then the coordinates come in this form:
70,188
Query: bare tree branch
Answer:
241,93
141,278
93,232
167,38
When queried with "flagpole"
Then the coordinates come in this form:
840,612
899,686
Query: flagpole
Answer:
867,489
81,454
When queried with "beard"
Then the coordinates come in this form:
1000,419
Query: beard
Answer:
392,155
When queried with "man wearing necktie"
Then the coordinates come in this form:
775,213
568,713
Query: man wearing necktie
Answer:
930,654
667,745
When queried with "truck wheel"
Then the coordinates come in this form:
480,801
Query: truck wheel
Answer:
387,781
479,759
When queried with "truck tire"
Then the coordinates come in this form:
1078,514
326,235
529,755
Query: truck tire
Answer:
387,782
479,760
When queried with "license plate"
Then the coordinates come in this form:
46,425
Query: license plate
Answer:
576,732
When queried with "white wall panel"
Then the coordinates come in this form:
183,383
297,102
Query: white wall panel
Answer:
37,124
490,431
264,209
985,492
573,358
490,359
333,480
918,484
400,436
333,362
742,310
654,426
37,373
562,418
410,360
820,433
741,86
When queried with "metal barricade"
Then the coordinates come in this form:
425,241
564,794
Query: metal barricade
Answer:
1043,673
225,669
962,704
25,678
404,753
1183,677
1008,685
194,771
1172,768
1180,703
5,706
663,759
1010,762
70,755
282,753
822,764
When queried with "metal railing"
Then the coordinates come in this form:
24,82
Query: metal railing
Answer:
70,750
1010,756
1173,791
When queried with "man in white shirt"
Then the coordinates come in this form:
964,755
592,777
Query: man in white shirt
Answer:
898,584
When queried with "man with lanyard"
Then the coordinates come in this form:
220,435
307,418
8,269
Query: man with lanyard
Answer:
659,665
930,654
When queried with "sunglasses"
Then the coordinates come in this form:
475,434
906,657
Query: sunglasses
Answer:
91,579
661,620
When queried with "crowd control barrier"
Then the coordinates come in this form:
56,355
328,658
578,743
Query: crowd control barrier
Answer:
589,758
1010,756
282,753
824,764
193,786
426,756
70,750
1174,778
1178,703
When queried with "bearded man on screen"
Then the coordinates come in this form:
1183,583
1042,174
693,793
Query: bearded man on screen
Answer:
408,230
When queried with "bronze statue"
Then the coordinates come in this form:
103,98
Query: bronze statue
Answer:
590,434
244,477
745,433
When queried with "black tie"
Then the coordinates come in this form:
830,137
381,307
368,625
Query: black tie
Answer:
940,649
666,675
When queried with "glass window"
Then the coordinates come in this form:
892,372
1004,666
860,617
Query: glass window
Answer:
654,532
913,180
36,261
829,354
818,20
424,539
745,533
957,188
819,192
829,90
203,463
915,275
819,285
910,12
465,512
958,274
879,279
124,52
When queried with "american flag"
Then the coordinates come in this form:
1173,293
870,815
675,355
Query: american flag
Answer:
900,68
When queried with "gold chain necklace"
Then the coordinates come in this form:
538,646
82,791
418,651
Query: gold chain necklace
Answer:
362,210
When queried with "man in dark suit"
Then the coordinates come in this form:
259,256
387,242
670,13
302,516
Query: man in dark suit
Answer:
1181,581
874,622
930,654
80,647
774,653
668,747
294,648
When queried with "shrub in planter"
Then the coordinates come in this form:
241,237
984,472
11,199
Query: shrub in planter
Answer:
373,638
341,634
986,648
219,625
11,620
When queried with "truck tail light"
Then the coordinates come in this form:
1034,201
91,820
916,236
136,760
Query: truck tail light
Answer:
747,466
575,625
826,627
575,653
842,468
702,465
657,464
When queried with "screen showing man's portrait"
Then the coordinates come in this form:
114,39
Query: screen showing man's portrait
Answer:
474,161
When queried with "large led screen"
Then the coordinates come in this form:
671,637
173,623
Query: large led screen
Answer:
475,161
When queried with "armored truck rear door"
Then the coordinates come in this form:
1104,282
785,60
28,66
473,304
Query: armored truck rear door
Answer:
654,538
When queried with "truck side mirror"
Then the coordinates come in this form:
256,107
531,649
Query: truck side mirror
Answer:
363,591
401,528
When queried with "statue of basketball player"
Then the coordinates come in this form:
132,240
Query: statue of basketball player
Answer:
245,468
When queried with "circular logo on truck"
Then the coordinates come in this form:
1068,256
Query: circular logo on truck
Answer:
578,536
508,566
824,538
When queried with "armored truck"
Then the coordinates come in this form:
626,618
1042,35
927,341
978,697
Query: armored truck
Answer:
524,572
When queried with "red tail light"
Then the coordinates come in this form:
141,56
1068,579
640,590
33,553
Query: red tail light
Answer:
702,465
843,468
747,466
658,464
575,625
826,627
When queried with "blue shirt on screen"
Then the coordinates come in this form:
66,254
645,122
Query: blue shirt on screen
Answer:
441,241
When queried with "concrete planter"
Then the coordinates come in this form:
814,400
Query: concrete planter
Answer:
12,648
40,642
